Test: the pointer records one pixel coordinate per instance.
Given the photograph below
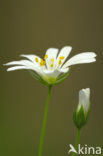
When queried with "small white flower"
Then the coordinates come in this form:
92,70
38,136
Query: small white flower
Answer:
84,100
53,63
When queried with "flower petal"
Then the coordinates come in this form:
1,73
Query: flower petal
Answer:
21,62
32,58
56,72
16,68
24,67
24,64
52,52
64,53
86,57
64,70
84,98
50,58
49,73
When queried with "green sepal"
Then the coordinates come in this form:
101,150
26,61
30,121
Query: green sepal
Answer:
80,117
38,78
61,78
88,113
34,75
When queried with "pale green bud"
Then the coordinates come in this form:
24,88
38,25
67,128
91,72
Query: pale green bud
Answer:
82,111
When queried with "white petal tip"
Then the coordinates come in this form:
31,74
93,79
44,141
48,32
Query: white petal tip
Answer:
93,54
7,64
8,70
68,47
91,60
22,55
85,89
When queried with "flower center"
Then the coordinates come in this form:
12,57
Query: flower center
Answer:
60,62
52,65
42,62
52,60
46,56
36,59
61,57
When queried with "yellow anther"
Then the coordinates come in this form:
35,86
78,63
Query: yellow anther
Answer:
52,65
60,62
42,62
46,56
52,60
61,57
36,59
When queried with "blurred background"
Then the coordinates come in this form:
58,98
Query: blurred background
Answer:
31,27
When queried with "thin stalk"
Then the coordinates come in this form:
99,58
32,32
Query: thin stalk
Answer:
77,141
44,122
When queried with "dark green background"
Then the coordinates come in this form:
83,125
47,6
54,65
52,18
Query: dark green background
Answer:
30,27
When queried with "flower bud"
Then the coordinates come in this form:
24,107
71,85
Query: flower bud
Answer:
82,111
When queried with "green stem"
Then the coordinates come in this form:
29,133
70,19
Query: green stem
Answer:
44,122
77,141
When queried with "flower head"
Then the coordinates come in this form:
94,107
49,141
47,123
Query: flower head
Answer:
81,114
53,64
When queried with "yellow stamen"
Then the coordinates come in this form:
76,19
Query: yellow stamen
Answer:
60,62
52,60
42,62
36,59
61,57
52,65
46,56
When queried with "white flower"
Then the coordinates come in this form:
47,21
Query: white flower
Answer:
84,100
53,63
